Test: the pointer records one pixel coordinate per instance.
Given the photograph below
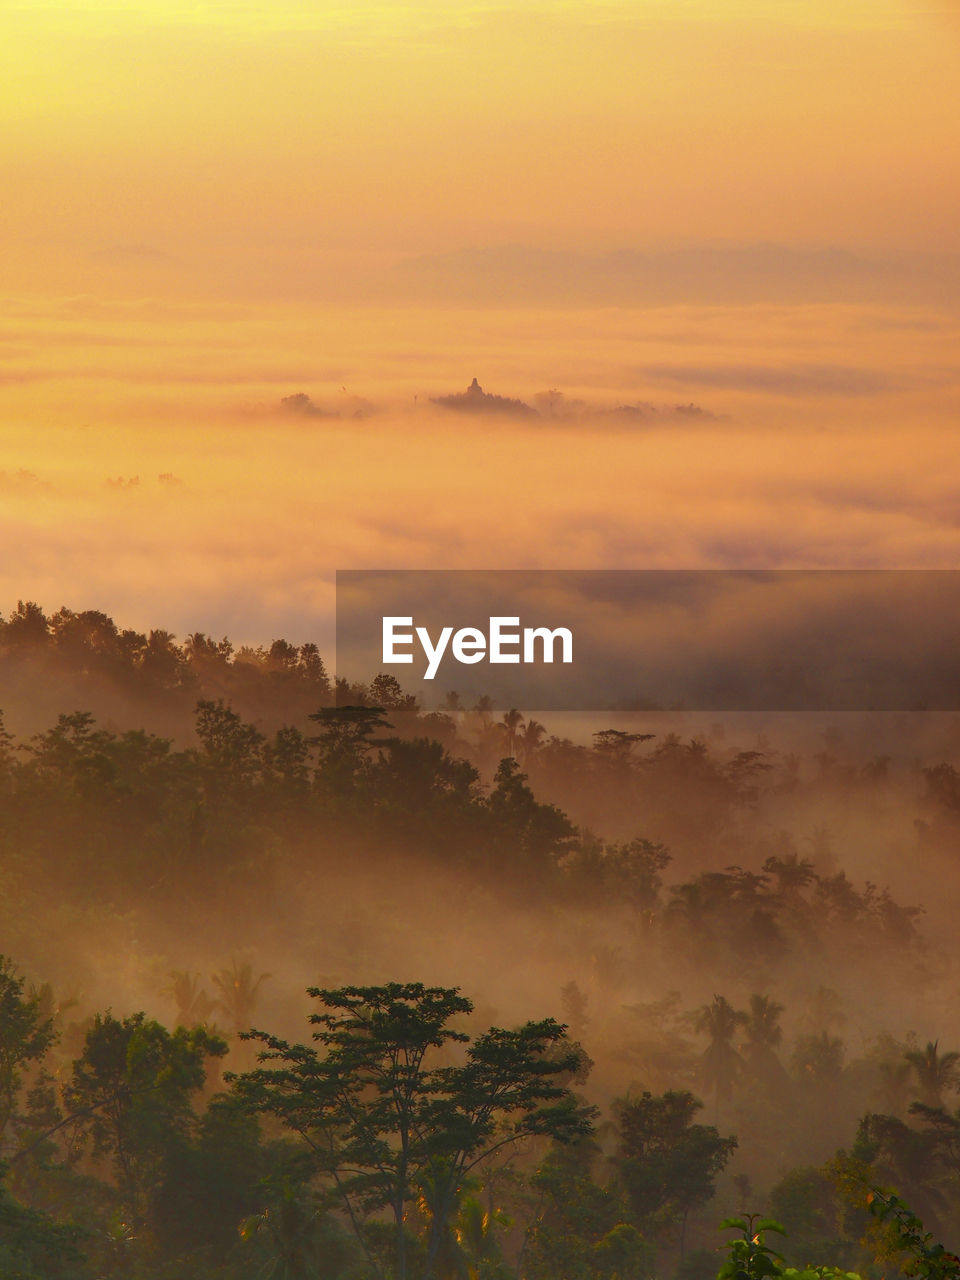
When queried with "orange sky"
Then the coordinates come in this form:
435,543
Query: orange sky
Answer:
241,145
207,207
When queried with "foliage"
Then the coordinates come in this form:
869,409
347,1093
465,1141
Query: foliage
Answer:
381,1119
666,1163
34,1247
243,794
131,1094
581,1228
749,1257
25,1037
924,1256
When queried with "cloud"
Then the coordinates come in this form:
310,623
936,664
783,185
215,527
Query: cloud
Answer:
795,380
248,544
268,510
123,252
22,482
702,274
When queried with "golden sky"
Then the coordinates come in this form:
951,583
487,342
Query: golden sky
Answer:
210,147
208,207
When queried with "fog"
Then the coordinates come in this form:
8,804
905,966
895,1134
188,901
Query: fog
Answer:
148,467
474,284
329,902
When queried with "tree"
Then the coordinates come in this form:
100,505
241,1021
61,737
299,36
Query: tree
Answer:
27,627
312,669
298,1239
819,1059
34,1247
792,873
420,793
6,749
286,765
666,1163
614,746
343,744
162,663
721,1062
530,739
382,1121
232,750
581,1228
510,725
25,1037
476,1233
532,837
239,992
131,1093
934,1071
386,691
806,1201
763,1036
194,1006
574,1004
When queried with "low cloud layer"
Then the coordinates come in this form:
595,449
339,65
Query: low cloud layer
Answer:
699,274
268,503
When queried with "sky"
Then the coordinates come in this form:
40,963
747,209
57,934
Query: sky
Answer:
257,148
745,207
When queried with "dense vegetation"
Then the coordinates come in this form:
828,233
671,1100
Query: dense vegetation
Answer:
733,1000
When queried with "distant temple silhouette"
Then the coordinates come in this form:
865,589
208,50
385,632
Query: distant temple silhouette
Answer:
476,400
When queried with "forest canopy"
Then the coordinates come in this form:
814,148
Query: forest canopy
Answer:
305,980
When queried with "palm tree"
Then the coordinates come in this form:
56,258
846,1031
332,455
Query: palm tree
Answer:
689,913
574,1004
720,1064
819,1058
934,1072
530,739
199,647
194,1006
792,874
763,1036
467,1247
510,724
452,705
291,1233
238,993
476,1233
161,660
762,1021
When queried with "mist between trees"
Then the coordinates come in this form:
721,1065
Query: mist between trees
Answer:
732,933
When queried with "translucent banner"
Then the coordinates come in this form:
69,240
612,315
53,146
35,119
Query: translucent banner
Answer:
698,640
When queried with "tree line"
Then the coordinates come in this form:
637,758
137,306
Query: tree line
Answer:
393,1141
279,803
